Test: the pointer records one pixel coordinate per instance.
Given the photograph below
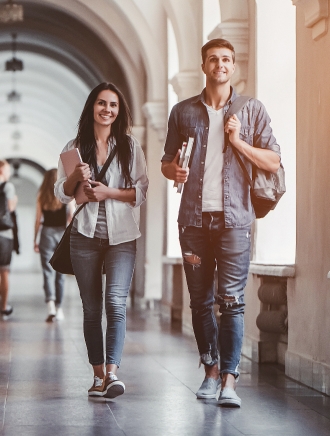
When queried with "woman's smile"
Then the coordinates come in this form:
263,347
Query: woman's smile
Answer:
106,108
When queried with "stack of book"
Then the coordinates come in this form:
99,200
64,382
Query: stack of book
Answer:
184,160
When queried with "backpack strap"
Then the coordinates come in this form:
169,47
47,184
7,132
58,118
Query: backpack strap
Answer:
236,107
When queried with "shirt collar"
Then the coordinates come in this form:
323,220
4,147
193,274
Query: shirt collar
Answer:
201,97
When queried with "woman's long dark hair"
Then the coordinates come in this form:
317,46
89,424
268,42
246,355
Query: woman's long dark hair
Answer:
120,130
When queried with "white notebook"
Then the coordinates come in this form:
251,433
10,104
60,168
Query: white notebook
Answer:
69,160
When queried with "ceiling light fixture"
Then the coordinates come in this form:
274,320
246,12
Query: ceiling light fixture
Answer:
14,64
14,96
14,119
11,12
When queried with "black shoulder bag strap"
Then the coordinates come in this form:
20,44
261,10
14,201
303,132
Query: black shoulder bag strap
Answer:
2,186
235,107
99,176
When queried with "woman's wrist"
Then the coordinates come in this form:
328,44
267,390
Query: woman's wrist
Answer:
112,193
68,188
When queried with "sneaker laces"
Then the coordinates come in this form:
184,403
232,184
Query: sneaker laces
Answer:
112,376
98,381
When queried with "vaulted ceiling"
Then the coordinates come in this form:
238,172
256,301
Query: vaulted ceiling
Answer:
63,60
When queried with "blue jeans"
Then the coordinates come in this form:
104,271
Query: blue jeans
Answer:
53,280
204,248
87,257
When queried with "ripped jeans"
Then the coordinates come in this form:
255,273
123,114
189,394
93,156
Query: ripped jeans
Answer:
204,248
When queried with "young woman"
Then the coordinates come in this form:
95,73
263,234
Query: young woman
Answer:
53,216
104,232
6,239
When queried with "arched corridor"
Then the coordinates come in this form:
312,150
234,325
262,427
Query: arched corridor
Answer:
151,50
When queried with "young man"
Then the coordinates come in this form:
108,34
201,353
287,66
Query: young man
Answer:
216,213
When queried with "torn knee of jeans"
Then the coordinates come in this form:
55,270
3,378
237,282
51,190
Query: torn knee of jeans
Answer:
228,300
206,359
192,259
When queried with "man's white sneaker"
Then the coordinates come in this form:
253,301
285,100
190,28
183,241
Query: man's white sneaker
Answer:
229,398
208,388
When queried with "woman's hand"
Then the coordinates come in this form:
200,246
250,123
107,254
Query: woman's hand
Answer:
233,127
97,192
81,173
36,247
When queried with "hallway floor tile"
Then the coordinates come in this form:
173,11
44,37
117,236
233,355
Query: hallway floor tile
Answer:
45,375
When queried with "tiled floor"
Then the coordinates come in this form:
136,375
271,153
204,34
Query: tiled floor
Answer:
44,377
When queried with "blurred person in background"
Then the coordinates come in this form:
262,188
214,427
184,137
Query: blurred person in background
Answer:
7,189
52,216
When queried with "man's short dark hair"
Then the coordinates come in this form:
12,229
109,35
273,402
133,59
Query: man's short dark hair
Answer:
218,42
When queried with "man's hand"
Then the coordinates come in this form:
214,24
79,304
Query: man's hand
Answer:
233,127
262,158
173,171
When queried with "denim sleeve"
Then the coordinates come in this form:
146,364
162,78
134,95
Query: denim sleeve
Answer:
263,134
173,138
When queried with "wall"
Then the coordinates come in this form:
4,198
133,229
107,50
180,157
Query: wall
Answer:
271,69
308,356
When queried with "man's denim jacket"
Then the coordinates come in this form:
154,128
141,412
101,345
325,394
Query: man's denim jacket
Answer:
189,118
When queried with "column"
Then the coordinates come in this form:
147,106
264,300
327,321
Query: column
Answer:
156,114
186,84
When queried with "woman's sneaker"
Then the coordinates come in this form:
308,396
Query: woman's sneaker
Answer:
59,314
113,387
51,311
6,312
97,390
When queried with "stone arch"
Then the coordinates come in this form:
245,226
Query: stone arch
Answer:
110,21
187,33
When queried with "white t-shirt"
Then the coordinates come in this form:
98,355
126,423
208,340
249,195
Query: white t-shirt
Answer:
212,197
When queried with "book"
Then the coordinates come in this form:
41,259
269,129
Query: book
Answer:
182,154
70,159
184,160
